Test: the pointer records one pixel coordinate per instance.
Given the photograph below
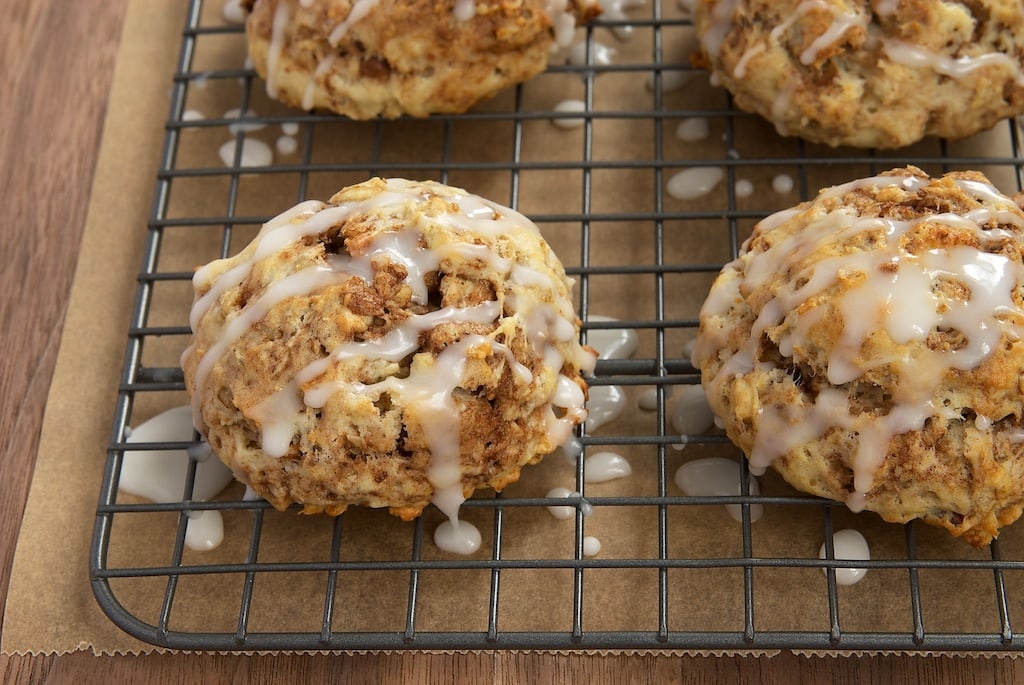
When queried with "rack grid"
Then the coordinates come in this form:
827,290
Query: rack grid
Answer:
603,184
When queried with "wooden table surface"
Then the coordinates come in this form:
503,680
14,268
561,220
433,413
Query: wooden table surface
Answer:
56,64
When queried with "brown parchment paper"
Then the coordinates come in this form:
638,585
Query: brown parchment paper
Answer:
50,605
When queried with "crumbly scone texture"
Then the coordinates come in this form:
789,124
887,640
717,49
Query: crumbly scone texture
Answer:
868,73
805,358
401,57
370,442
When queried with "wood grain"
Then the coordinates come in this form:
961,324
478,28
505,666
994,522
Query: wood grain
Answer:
56,63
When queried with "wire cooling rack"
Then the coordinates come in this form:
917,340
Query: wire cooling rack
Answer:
683,575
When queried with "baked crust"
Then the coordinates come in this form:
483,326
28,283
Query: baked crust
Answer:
869,346
402,343
868,73
386,58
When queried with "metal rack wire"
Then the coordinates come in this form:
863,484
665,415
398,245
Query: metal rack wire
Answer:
197,201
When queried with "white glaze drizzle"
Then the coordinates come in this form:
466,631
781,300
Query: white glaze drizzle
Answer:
611,343
359,10
895,296
721,14
740,70
322,67
917,57
277,34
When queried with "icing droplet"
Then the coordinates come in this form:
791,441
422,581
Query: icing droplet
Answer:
744,188
566,106
648,399
290,128
718,477
159,475
692,414
782,184
849,545
690,184
602,467
254,153
464,10
693,129
204,530
572,450
457,537
561,512
286,145
600,54
192,115
611,343
604,403
591,546
247,126
232,12
614,11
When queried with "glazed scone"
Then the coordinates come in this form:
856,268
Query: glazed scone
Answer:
869,346
404,343
386,58
868,73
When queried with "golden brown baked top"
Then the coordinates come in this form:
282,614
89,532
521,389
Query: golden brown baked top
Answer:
868,73
402,344
869,345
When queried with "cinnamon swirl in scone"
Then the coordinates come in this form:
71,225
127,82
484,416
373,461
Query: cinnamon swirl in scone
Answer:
386,58
402,344
868,73
869,346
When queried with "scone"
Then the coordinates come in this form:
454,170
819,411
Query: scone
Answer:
869,345
868,73
386,58
404,343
